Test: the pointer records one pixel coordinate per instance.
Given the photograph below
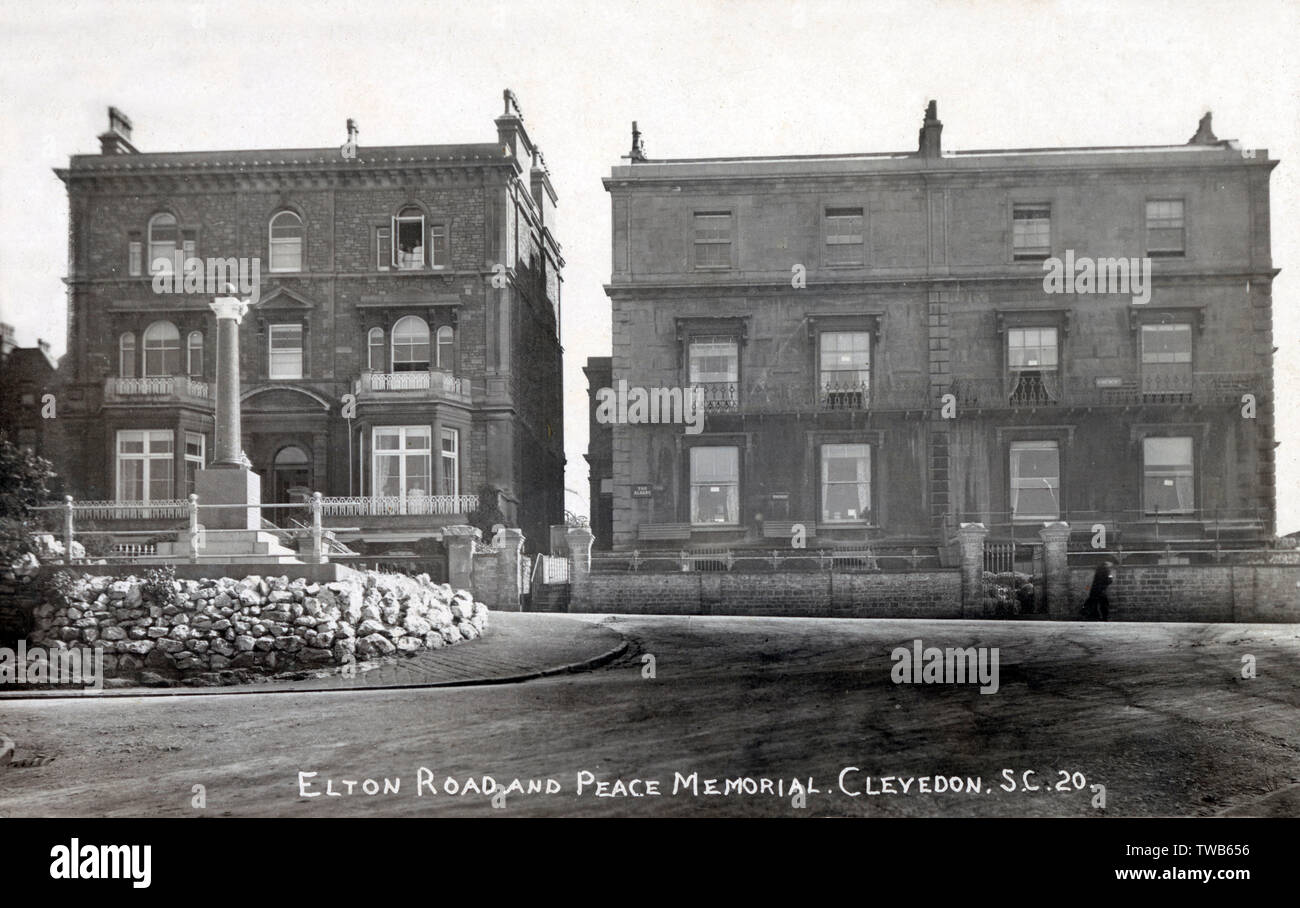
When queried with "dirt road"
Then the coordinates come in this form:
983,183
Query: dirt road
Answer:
1160,715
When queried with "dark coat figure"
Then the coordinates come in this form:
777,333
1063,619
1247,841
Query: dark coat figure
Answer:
1097,605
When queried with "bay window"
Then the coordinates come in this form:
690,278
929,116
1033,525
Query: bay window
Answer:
402,463
145,465
450,478
194,458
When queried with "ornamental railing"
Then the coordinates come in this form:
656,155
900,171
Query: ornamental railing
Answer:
167,509
157,386
390,505
424,380
1028,390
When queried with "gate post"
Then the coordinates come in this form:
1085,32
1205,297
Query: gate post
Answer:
579,540
196,532
459,541
509,581
971,538
67,529
1056,569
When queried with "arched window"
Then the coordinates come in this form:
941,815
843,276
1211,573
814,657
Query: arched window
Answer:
162,349
126,355
375,350
446,347
286,242
410,344
164,240
194,354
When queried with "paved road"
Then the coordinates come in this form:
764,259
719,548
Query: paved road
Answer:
1158,714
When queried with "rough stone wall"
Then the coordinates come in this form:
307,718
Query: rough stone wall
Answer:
266,624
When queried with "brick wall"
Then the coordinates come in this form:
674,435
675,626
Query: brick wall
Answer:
919,594
1248,593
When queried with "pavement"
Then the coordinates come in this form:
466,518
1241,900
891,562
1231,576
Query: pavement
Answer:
517,646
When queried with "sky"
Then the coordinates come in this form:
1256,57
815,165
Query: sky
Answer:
703,78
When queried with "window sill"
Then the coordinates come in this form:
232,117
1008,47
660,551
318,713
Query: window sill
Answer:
715,527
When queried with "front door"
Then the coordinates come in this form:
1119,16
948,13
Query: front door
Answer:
290,474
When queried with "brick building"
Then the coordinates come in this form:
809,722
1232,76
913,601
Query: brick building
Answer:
401,354
882,358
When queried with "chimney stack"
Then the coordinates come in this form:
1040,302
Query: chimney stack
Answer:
7,339
929,144
118,138
637,155
510,130
1204,134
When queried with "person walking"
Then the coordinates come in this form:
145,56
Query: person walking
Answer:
1097,605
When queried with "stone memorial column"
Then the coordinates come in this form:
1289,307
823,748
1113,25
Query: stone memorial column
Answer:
229,481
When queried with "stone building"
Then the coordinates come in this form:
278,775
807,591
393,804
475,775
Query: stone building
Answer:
401,354
889,345
27,376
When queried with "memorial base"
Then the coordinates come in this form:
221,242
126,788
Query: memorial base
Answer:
232,486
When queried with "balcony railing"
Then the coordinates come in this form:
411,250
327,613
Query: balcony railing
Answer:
897,395
844,396
156,387
434,383
389,505
719,396
1036,389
